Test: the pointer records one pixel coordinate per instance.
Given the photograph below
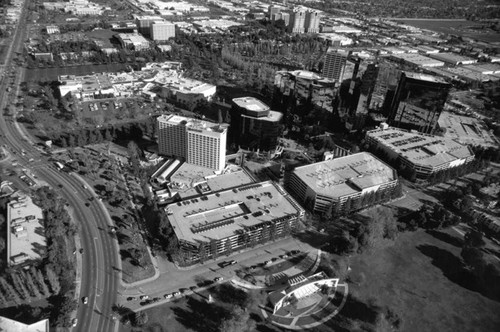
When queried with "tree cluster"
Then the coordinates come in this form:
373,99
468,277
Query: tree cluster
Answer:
429,216
487,274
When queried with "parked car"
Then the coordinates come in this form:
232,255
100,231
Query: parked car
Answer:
232,262
74,322
167,296
218,279
85,299
130,298
144,297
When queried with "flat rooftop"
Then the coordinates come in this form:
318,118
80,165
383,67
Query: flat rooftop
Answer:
452,57
421,149
346,175
425,77
26,235
192,123
467,130
220,215
7,324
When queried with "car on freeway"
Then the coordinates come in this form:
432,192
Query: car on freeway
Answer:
218,279
130,298
85,299
74,322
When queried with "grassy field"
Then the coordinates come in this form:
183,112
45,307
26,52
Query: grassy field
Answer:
422,279
456,27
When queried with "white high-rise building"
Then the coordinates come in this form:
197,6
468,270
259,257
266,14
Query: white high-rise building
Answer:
312,21
160,31
335,62
199,142
297,20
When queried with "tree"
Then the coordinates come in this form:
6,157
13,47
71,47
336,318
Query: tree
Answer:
473,239
53,280
141,318
19,285
239,321
2,244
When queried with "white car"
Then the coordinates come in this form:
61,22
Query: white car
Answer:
74,322
218,279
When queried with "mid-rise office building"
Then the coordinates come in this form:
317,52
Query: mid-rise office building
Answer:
312,20
335,62
330,184
240,218
144,23
418,101
199,142
254,125
423,153
133,40
161,31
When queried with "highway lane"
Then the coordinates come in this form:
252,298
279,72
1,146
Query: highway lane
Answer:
99,253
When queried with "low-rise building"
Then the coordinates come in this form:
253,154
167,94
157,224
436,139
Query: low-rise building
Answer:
425,154
467,130
10,325
25,242
330,184
133,40
218,223
453,59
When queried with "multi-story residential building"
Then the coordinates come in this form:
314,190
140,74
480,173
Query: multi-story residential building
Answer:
297,20
281,16
199,142
272,10
311,23
133,40
330,184
425,154
161,31
236,219
418,101
335,62
144,23
254,125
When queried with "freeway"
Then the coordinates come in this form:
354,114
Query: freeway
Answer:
99,279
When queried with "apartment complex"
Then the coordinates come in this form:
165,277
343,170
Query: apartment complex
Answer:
335,62
235,219
418,101
254,125
331,183
199,142
161,31
423,153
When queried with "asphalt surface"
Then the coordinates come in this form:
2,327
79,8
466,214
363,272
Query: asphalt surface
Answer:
99,279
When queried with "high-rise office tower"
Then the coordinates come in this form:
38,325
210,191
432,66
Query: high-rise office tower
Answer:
312,21
160,31
199,142
418,101
254,125
297,20
335,62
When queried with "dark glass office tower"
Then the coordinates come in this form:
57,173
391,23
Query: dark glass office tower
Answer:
418,102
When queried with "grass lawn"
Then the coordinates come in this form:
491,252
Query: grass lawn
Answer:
421,278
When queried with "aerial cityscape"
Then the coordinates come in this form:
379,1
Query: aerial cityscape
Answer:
242,166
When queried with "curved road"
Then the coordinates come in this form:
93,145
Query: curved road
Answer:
99,277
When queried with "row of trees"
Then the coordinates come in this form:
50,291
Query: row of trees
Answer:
59,232
429,216
33,284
